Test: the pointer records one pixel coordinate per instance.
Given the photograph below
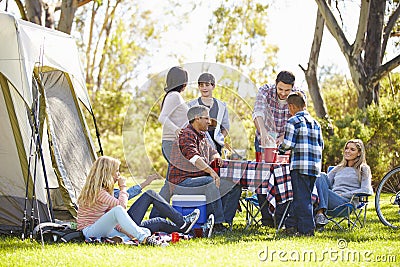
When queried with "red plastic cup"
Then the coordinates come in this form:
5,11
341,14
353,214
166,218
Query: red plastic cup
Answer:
175,237
215,166
258,156
270,154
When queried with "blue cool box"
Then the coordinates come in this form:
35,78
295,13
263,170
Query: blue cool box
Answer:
185,204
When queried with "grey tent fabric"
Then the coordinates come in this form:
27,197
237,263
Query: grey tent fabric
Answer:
73,153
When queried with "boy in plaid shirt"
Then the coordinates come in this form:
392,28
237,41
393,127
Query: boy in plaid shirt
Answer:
303,137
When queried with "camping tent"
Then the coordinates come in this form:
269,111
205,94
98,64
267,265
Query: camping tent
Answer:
46,148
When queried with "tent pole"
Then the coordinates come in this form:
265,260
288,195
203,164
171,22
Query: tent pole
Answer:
24,219
45,179
39,149
97,133
32,219
39,80
39,153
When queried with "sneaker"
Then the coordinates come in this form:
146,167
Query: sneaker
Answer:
151,241
190,220
308,234
116,239
268,223
219,228
208,226
320,219
290,231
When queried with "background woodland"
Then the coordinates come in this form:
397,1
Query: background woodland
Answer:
117,39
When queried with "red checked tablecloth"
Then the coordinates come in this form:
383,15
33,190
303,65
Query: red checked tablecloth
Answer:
272,180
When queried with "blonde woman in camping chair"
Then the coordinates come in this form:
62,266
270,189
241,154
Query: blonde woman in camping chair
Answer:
352,175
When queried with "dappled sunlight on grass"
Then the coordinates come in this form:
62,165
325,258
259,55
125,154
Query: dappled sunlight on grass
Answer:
254,246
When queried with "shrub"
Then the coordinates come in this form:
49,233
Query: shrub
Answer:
377,126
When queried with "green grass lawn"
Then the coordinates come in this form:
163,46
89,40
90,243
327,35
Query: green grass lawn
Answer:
372,245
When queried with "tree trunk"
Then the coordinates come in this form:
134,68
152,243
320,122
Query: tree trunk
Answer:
311,73
68,8
373,47
359,79
35,11
364,56
49,16
352,53
42,13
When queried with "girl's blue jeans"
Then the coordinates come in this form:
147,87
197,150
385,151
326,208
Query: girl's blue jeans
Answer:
105,226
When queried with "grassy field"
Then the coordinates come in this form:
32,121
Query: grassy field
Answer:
372,245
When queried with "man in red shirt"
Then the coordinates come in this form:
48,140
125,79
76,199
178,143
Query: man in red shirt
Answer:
190,170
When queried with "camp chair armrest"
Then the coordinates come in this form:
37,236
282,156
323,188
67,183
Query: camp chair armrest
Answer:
362,194
362,197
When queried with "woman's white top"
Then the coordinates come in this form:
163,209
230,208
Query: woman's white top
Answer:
173,115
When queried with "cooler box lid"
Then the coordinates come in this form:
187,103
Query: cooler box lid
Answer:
188,198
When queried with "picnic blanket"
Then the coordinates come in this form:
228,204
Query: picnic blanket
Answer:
161,236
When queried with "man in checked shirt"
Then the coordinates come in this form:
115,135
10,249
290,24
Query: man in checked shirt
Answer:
270,114
190,171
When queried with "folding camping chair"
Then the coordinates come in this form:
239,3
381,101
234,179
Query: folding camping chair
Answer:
352,213
253,209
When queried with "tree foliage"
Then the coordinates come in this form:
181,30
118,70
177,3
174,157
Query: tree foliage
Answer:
114,49
377,126
238,32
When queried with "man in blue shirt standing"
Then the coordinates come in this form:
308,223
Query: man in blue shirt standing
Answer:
303,136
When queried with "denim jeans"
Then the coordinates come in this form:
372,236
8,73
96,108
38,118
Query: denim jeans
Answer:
266,217
105,226
301,209
166,195
132,191
328,199
230,194
203,185
257,144
166,148
140,206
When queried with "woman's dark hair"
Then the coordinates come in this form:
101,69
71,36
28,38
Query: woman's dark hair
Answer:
177,79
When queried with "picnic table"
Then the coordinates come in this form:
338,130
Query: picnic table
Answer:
270,179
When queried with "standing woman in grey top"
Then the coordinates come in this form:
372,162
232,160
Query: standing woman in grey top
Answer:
173,119
352,175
